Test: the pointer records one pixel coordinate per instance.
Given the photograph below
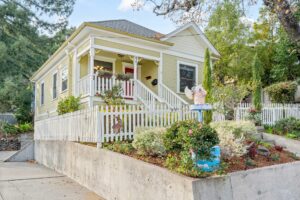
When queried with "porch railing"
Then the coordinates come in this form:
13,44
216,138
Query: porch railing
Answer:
84,86
171,98
102,84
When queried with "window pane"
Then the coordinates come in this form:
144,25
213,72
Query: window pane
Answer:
108,66
42,93
64,79
187,76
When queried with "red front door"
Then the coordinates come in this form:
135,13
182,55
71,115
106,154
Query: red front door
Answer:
129,85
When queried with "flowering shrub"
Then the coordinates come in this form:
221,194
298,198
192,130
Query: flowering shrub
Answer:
191,135
149,142
231,135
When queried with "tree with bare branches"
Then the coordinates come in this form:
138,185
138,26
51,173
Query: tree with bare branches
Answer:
287,11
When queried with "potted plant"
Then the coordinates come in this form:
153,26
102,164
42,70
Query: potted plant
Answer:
123,77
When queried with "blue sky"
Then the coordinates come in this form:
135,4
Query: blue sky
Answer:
97,10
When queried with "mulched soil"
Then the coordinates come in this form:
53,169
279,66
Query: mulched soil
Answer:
239,163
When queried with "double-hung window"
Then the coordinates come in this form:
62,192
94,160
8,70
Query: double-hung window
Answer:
42,93
64,79
54,86
187,76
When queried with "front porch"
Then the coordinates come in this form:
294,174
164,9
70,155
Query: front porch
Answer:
98,69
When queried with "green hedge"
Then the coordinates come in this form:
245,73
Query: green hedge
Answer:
283,92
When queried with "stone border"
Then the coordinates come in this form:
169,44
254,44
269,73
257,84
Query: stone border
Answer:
118,177
290,144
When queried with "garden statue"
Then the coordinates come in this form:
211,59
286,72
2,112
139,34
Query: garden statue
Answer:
198,94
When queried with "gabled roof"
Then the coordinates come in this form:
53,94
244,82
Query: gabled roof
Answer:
199,33
129,27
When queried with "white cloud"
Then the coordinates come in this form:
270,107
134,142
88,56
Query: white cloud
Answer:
125,5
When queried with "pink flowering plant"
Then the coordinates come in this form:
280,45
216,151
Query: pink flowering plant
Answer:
192,137
254,115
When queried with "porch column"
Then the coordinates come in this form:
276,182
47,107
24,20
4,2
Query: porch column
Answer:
160,74
74,71
135,67
91,71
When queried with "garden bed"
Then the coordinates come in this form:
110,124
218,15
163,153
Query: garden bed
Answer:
227,165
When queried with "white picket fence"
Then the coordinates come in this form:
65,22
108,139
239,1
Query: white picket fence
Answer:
79,126
109,123
270,112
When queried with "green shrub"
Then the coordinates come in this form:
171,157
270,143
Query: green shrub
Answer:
283,92
173,136
286,126
149,141
124,147
25,127
231,135
10,129
68,104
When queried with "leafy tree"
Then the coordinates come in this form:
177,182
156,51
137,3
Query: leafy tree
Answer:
24,46
207,85
256,81
230,36
286,65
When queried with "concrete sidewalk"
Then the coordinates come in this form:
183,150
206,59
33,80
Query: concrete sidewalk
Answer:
29,181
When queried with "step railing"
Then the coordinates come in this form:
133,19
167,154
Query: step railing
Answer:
145,95
172,99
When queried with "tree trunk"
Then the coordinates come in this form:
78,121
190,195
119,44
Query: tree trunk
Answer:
286,17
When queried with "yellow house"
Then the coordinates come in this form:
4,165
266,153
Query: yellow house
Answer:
97,55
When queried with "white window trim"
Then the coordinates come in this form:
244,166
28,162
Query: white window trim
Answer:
42,102
57,82
107,59
61,81
178,72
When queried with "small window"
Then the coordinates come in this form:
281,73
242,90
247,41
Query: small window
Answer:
42,93
54,86
64,79
187,76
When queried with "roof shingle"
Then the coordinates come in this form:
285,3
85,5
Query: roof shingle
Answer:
129,27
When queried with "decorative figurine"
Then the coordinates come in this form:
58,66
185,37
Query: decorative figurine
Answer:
197,93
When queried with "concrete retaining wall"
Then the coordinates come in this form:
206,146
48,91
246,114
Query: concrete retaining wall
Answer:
118,177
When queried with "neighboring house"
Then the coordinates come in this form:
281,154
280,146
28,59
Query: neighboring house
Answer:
160,66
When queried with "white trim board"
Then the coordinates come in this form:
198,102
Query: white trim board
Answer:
125,52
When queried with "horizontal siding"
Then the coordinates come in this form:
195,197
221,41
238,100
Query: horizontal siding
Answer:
170,71
187,43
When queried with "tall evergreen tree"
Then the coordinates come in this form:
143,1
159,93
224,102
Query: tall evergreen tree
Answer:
256,80
207,85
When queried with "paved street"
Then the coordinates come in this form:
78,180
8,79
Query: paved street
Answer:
29,181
